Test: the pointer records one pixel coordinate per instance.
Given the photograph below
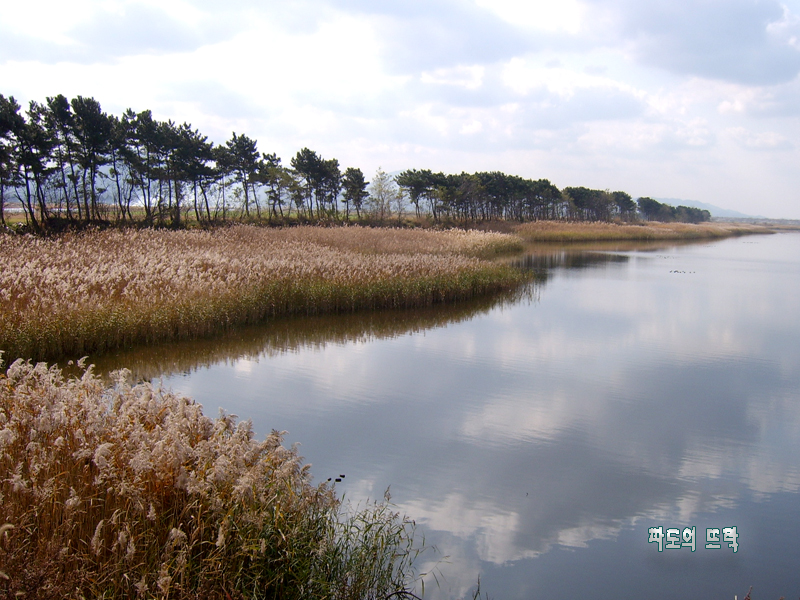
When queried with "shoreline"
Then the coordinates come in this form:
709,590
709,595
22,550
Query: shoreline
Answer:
98,291
93,292
566,233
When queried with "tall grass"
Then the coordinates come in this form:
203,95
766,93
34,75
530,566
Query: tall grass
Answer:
566,232
89,292
405,241
131,492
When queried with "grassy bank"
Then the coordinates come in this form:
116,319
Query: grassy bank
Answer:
94,291
131,492
567,232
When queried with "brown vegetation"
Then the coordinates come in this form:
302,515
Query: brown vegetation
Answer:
565,232
131,492
88,292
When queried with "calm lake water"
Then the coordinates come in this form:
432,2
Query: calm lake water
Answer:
537,440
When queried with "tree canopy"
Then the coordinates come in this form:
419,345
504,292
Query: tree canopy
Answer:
69,161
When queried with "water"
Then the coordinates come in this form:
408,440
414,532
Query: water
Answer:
537,440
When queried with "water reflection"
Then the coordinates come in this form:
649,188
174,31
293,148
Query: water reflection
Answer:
293,334
545,260
537,441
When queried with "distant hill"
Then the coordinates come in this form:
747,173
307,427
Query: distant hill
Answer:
715,211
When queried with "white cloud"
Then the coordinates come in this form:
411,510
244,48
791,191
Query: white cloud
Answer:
609,93
492,529
787,29
469,77
565,15
45,19
767,140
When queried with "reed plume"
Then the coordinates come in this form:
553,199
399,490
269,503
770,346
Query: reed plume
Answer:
77,294
130,491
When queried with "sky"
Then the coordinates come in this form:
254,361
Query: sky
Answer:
696,100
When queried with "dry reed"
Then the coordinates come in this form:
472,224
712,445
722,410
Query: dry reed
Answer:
561,231
131,492
405,241
90,292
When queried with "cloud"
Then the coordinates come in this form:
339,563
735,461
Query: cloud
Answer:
210,97
541,15
551,111
767,140
107,35
138,29
433,34
481,107
590,90
746,41
778,101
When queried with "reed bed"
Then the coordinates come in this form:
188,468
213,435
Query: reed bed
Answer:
131,492
565,232
90,292
406,241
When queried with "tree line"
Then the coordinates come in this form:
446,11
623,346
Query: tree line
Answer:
67,161
653,210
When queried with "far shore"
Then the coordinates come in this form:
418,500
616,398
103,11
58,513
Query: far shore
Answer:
565,232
